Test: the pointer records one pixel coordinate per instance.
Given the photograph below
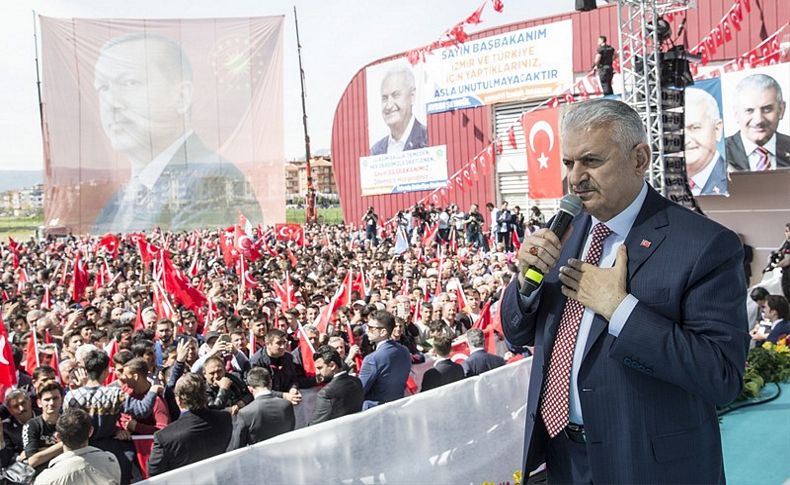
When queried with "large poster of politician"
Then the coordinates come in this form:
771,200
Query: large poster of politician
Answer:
757,130
175,124
706,166
400,158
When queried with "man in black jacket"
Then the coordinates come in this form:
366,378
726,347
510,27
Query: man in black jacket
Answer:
265,417
342,394
444,371
198,434
225,390
479,360
287,376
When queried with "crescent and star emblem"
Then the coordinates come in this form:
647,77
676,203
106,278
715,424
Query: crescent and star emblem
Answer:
539,126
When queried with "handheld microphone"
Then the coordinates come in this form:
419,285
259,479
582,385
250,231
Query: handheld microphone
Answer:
570,206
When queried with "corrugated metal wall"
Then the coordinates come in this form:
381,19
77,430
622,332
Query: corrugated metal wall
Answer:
467,131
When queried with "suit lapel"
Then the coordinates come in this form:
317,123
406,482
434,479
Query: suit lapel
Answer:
642,241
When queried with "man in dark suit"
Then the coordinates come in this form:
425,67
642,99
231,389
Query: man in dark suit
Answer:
777,310
759,107
398,91
198,434
479,360
444,370
384,371
144,85
265,417
705,167
630,361
342,394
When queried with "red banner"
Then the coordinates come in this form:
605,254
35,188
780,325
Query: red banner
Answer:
543,153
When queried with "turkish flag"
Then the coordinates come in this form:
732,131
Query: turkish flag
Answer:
473,171
511,136
245,245
485,159
142,447
7,370
307,353
289,232
459,181
444,195
543,153
80,279
110,242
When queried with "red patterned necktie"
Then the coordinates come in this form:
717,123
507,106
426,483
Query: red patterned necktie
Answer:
555,405
762,162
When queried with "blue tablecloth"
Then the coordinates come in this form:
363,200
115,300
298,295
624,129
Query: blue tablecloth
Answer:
756,441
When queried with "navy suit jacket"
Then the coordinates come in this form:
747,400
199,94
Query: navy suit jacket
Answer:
739,160
481,361
343,395
194,436
717,182
649,396
265,417
781,328
384,373
418,138
196,189
443,373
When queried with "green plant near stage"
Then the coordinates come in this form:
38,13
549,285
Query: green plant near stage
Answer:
766,363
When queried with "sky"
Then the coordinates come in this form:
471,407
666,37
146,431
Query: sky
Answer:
339,37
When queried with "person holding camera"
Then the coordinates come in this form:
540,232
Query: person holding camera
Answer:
371,221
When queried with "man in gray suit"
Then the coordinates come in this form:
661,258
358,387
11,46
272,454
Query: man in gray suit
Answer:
759,107
144,85
265,417
398,91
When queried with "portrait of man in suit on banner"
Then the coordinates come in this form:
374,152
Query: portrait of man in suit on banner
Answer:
397,101
705,164
758,106
145,91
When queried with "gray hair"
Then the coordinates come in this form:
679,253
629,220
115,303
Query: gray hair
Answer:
703,101
621,119
758,82
170,58
475,338
403,71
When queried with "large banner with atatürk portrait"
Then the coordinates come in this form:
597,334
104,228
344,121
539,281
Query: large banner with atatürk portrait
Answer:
174,123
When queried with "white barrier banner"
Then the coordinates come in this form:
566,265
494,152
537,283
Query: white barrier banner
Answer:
471,431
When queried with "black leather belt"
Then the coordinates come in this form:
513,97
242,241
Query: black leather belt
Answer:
575,433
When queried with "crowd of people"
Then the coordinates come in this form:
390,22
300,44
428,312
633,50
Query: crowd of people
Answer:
203,342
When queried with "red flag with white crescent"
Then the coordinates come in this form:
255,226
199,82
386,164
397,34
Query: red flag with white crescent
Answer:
8,377
543,153
289,232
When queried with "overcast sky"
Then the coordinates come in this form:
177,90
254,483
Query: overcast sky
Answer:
339,37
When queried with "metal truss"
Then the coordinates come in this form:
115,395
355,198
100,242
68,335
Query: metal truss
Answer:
640,64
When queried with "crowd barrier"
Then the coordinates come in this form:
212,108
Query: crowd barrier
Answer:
467,432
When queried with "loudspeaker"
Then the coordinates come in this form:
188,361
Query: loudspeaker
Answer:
585,5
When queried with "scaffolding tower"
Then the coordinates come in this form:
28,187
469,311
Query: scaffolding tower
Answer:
640,64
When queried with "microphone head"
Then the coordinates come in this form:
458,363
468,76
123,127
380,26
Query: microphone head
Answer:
571,204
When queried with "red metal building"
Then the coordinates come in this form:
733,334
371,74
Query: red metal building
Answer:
467,131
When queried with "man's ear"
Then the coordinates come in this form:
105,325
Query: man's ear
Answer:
185,91
641,153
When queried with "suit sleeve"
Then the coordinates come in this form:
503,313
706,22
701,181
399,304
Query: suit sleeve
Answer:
239,435
704,353
290,417
158,460
368,373
519,317
430,380
323,407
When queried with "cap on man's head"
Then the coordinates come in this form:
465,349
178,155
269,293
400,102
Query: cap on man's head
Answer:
431,272
359,302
